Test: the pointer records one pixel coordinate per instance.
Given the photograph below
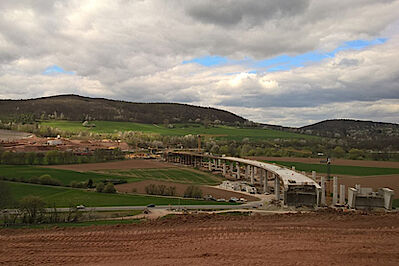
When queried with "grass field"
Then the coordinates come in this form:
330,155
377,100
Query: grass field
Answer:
65,176
24,172
221,132
170,174
67,197
340,169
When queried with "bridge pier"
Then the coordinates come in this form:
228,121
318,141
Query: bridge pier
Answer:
224,169
265,179
335,191
238,170
277,187
252,174
342,195
323,191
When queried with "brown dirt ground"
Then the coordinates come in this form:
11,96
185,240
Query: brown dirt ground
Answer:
291,239
121,165
334,161
180,188
375,182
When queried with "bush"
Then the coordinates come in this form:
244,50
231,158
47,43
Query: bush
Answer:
32,208
193,192
76,184
151,189
109,188
100,187
48,180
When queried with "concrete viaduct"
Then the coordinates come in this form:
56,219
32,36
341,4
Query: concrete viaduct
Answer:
293,188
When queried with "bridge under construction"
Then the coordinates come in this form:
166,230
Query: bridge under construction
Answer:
288,186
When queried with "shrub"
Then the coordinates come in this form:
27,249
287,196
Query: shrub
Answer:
100,187
76,184
48,180
32,207
109,188
193,192
34,180
151,189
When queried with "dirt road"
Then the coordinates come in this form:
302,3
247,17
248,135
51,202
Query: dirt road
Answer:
291,239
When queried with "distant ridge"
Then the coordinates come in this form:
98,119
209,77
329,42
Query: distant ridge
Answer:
75,107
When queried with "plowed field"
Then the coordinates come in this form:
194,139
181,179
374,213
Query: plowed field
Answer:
304,239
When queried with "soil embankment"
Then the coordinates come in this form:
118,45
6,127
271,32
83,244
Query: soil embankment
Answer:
305,239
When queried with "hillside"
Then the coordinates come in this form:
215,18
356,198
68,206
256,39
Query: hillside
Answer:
78,108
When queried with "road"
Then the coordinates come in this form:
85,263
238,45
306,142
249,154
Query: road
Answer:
250,205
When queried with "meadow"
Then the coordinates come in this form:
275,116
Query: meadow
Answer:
68,197
220,132
170,174
340,169
25,172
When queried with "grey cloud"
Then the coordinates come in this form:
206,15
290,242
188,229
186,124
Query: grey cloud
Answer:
252,12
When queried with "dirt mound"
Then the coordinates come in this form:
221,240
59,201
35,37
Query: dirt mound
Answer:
307,239
119,165
139,187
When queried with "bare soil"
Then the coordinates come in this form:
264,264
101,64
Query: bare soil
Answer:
180,188
381,164
324,238
121,165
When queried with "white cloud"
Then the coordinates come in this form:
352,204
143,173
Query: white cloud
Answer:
132,50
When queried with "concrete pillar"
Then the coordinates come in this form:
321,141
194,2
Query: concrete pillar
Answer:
293,168
314,175
264,180
252,174
388,198
224,169
323,191
277,187
210,165
255,171
219,163
247,171
357,186
231,168
352,192
341,194
335,191
238,170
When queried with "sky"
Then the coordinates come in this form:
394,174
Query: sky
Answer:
285,62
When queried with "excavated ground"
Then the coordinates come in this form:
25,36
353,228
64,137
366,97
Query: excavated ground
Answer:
321,238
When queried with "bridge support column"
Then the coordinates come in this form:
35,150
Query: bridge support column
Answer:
323,191
314,175
238,170
247,169
277,187
231,168
210,165
252,174
265,179
224,169
341,194
335,191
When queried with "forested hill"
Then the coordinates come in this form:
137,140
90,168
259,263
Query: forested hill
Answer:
78,108
355,129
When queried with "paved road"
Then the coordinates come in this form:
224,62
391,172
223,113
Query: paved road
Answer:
163,207
250,205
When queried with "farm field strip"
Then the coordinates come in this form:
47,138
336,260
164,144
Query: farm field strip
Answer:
226,132
172,174
65,176
67,197
340,169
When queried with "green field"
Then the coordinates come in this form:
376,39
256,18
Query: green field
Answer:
67,197
340,169
169,174
221,132
24,172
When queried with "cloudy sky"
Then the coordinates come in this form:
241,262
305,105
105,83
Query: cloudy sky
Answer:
282,62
